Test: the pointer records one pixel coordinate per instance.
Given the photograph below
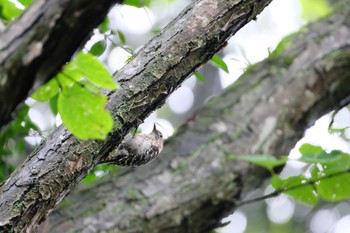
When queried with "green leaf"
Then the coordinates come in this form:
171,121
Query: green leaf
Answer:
338,130
22,123
137,3
104,26
312,10
9,11
284,44
90,178
53,105
98,48
83,112
265,161
69,76
218,62
276,182
103,167
315,154
156,30
26,3
23,112
333,178
340,165
92,69
335,188
121,37
47,91
298,188
199,77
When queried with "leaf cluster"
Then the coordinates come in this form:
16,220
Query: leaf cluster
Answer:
75,94
327,176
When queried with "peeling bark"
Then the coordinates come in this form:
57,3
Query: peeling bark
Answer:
61,161
194,183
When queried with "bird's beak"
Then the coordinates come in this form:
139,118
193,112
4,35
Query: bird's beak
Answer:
154,128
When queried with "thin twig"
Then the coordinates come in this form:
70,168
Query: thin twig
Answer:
286,189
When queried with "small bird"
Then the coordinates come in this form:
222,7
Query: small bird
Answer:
138,150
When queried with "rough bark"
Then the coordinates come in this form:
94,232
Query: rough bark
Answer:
194,183
34,47
61,161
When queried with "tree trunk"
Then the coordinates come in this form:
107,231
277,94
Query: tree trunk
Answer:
194,184
61,161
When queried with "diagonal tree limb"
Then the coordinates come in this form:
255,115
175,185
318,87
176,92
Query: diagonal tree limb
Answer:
61,161
194,183
34,47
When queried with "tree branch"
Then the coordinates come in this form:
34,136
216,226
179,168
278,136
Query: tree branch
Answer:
193,184
61,161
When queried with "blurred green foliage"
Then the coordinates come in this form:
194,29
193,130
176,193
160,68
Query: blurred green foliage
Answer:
99,171
12,140
315,9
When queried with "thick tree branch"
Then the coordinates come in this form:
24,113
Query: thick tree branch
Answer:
194,184
34,47
61,161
